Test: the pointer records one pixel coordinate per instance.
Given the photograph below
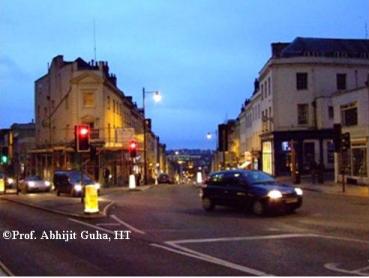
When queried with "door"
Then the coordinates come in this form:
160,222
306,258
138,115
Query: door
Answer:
236,190
216,188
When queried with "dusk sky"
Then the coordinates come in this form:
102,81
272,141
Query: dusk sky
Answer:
203,55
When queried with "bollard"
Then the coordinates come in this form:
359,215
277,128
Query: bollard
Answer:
91,199
2,186
199,178
132,182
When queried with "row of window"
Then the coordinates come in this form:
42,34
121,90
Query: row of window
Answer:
302,81
266,89
349,114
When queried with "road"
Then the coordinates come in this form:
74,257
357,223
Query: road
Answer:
171,235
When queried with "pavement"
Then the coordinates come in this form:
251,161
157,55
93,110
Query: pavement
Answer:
66,205
329,187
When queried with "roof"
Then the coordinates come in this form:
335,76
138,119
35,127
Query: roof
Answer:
346,48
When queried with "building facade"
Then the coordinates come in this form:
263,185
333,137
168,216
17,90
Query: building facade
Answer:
294,92
77,92
351,110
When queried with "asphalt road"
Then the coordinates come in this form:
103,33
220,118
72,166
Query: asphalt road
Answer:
170,234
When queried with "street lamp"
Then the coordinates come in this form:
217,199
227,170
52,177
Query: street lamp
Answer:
157,98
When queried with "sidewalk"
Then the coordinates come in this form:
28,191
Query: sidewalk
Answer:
328,187
67,205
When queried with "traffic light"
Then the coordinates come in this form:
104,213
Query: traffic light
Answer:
82,138
345,141
132,148
4,158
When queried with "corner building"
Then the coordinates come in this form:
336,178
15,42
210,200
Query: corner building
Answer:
292,103
77,92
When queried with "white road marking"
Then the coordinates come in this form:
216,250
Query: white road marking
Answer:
176,247
98,226
127,225
4,270
92,226
108,224
281,236
333,267
215,261
343,238
224,239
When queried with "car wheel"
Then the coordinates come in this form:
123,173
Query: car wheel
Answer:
207,204
258,208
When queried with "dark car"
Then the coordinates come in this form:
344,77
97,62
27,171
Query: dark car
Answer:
164,178
69,181
249,189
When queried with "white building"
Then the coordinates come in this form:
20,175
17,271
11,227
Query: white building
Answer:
351,110
294,95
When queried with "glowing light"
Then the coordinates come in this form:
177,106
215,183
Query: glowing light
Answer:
83,131
298,191
274,194
78,187
157,96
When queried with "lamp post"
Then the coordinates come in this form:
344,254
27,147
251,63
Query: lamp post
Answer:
157,98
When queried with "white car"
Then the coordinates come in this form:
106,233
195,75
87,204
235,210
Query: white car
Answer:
34,184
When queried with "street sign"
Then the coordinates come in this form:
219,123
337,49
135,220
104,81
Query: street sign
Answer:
125,135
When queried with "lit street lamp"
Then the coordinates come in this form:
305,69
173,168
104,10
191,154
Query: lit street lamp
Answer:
157,98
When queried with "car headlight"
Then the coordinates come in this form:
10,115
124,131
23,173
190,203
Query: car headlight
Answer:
31,183
97,185
47,183
78,187
10,181
298,191
275,194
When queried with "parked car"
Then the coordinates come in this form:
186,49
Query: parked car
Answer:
69,181
34,184
164,178
249,189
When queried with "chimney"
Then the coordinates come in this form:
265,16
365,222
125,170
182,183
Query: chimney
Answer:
277,48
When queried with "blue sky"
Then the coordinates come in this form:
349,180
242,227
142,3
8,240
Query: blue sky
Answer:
203,55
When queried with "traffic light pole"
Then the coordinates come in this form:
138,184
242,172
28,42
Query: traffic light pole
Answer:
144,137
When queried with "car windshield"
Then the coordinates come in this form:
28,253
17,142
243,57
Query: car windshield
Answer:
258,177
34,178
75,177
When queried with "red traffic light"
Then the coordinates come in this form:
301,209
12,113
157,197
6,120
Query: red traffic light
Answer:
82,138
132,148
132,145
83,130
